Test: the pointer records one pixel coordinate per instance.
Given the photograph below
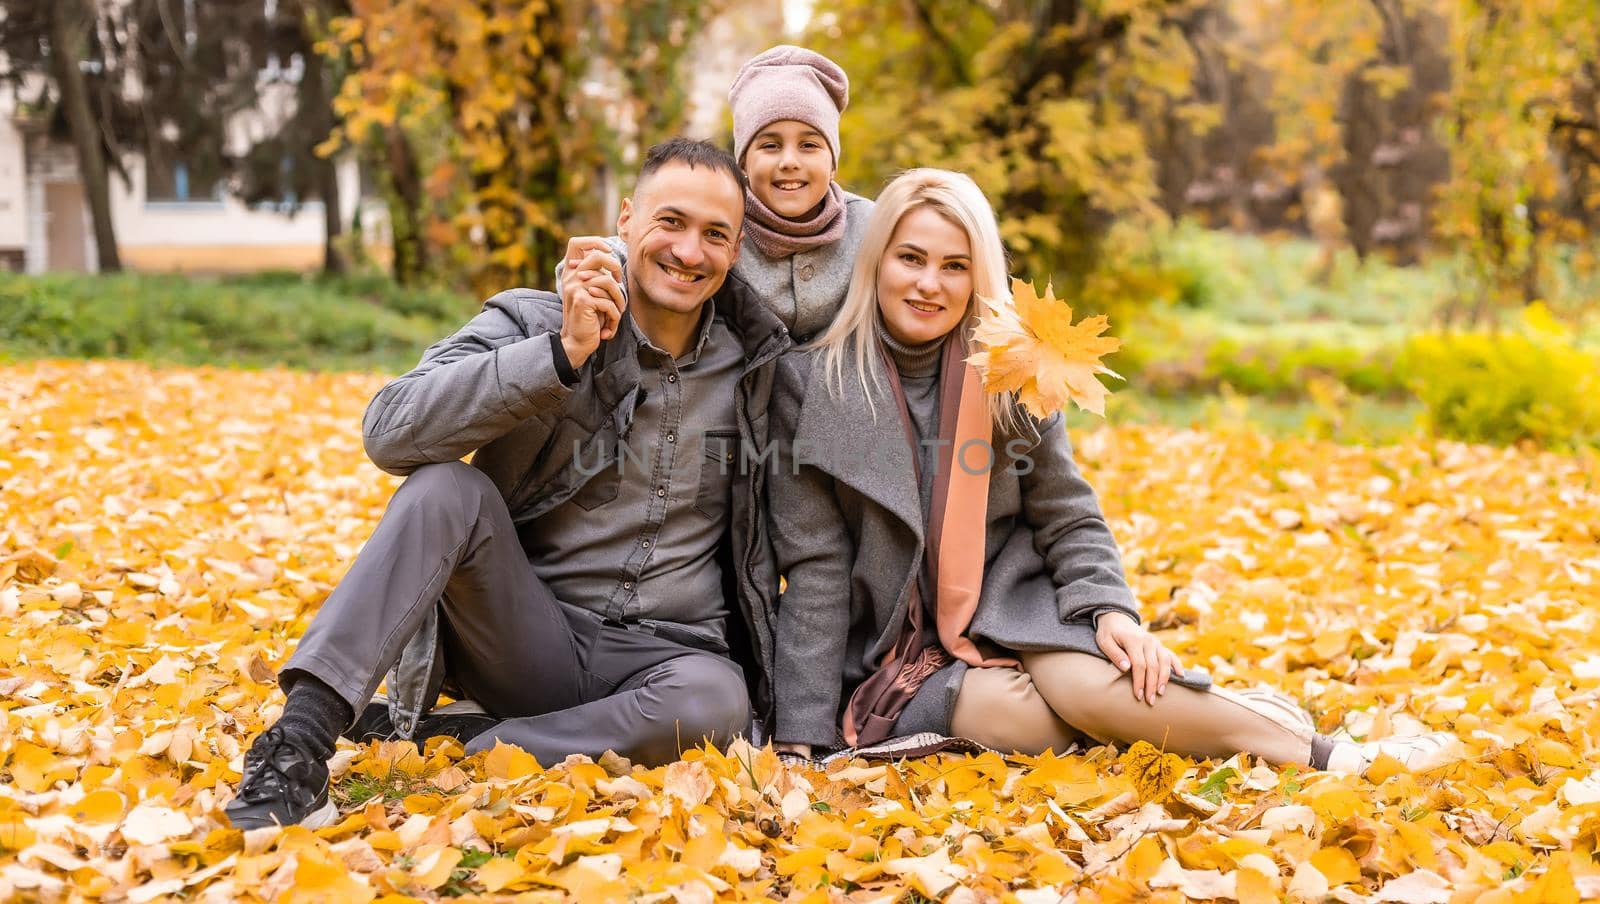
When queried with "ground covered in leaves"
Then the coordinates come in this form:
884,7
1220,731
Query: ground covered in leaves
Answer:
166,534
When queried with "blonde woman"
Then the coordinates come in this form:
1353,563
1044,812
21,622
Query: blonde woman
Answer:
949,569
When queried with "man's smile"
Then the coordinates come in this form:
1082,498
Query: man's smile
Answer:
681,276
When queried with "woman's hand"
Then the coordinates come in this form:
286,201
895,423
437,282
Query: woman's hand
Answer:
1135,650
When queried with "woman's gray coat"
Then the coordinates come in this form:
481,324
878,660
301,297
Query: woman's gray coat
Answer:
848,533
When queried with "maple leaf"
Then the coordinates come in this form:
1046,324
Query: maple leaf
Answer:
1031,347
1154,773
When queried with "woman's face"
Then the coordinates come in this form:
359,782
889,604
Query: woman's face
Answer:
925,277
789,166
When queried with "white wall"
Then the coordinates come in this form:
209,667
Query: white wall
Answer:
13,187
225,222
227,234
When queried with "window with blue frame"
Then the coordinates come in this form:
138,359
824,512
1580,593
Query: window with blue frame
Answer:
170,181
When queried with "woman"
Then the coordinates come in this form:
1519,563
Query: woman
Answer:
948,567
801,230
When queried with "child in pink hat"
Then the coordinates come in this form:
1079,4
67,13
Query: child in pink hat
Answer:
801,229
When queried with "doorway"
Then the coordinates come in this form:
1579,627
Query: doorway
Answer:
66,227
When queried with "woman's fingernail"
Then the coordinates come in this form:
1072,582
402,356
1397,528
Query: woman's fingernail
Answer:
1123,664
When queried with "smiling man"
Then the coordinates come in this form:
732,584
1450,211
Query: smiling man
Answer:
591,578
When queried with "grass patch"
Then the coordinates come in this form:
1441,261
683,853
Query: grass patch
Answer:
346,323
1271,280
359,790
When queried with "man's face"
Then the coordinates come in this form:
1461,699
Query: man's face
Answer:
682,231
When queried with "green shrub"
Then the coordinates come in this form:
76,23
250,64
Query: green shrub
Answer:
1531,384
356,322
1266,366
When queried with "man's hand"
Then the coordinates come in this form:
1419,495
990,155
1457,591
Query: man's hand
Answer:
592,298
1136,651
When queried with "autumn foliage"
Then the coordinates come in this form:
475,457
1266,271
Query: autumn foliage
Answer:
1400,127
496,122
165,535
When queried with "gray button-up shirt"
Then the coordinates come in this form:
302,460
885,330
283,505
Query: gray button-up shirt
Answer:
639,540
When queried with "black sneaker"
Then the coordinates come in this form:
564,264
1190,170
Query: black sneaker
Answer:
462,720
373,724
283,784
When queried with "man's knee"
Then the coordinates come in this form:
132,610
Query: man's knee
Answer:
704,698
448,483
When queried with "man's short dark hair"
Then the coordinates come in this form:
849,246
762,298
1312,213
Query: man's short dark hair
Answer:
692,154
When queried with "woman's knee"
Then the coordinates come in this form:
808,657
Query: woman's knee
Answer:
1001,708
1072,684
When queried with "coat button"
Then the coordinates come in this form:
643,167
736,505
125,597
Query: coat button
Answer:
405,726
807,272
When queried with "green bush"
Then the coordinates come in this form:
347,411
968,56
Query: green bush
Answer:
1266,366
1285,369
259,320
1531,384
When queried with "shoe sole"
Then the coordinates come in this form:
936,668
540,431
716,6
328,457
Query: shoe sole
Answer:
324,815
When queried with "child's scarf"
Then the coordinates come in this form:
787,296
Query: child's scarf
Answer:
779,237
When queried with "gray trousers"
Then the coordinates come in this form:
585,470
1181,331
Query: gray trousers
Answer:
562,680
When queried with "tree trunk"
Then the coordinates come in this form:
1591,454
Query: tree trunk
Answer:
70,21
332,223
314,94
404,184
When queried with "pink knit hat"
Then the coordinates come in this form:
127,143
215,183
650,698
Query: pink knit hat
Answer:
788,82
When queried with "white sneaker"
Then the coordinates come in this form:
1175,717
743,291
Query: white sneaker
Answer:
1419,753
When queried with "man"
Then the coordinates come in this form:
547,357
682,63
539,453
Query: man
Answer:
587,576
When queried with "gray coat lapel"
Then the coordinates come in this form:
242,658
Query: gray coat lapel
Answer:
861,446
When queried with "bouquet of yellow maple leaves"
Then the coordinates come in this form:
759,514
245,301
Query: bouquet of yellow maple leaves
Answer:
1031,347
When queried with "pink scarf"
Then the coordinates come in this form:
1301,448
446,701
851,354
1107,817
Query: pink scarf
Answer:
778,236
957,521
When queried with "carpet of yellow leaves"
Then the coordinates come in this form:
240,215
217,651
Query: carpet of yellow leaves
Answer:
165,535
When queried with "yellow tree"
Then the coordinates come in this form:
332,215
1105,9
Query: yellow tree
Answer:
1523,128
1038,102
502,117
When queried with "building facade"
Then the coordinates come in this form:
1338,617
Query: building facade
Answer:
163,223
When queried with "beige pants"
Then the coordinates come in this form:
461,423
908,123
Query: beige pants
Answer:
1059,698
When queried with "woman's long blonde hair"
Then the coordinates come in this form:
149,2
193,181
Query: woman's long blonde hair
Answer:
954,196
